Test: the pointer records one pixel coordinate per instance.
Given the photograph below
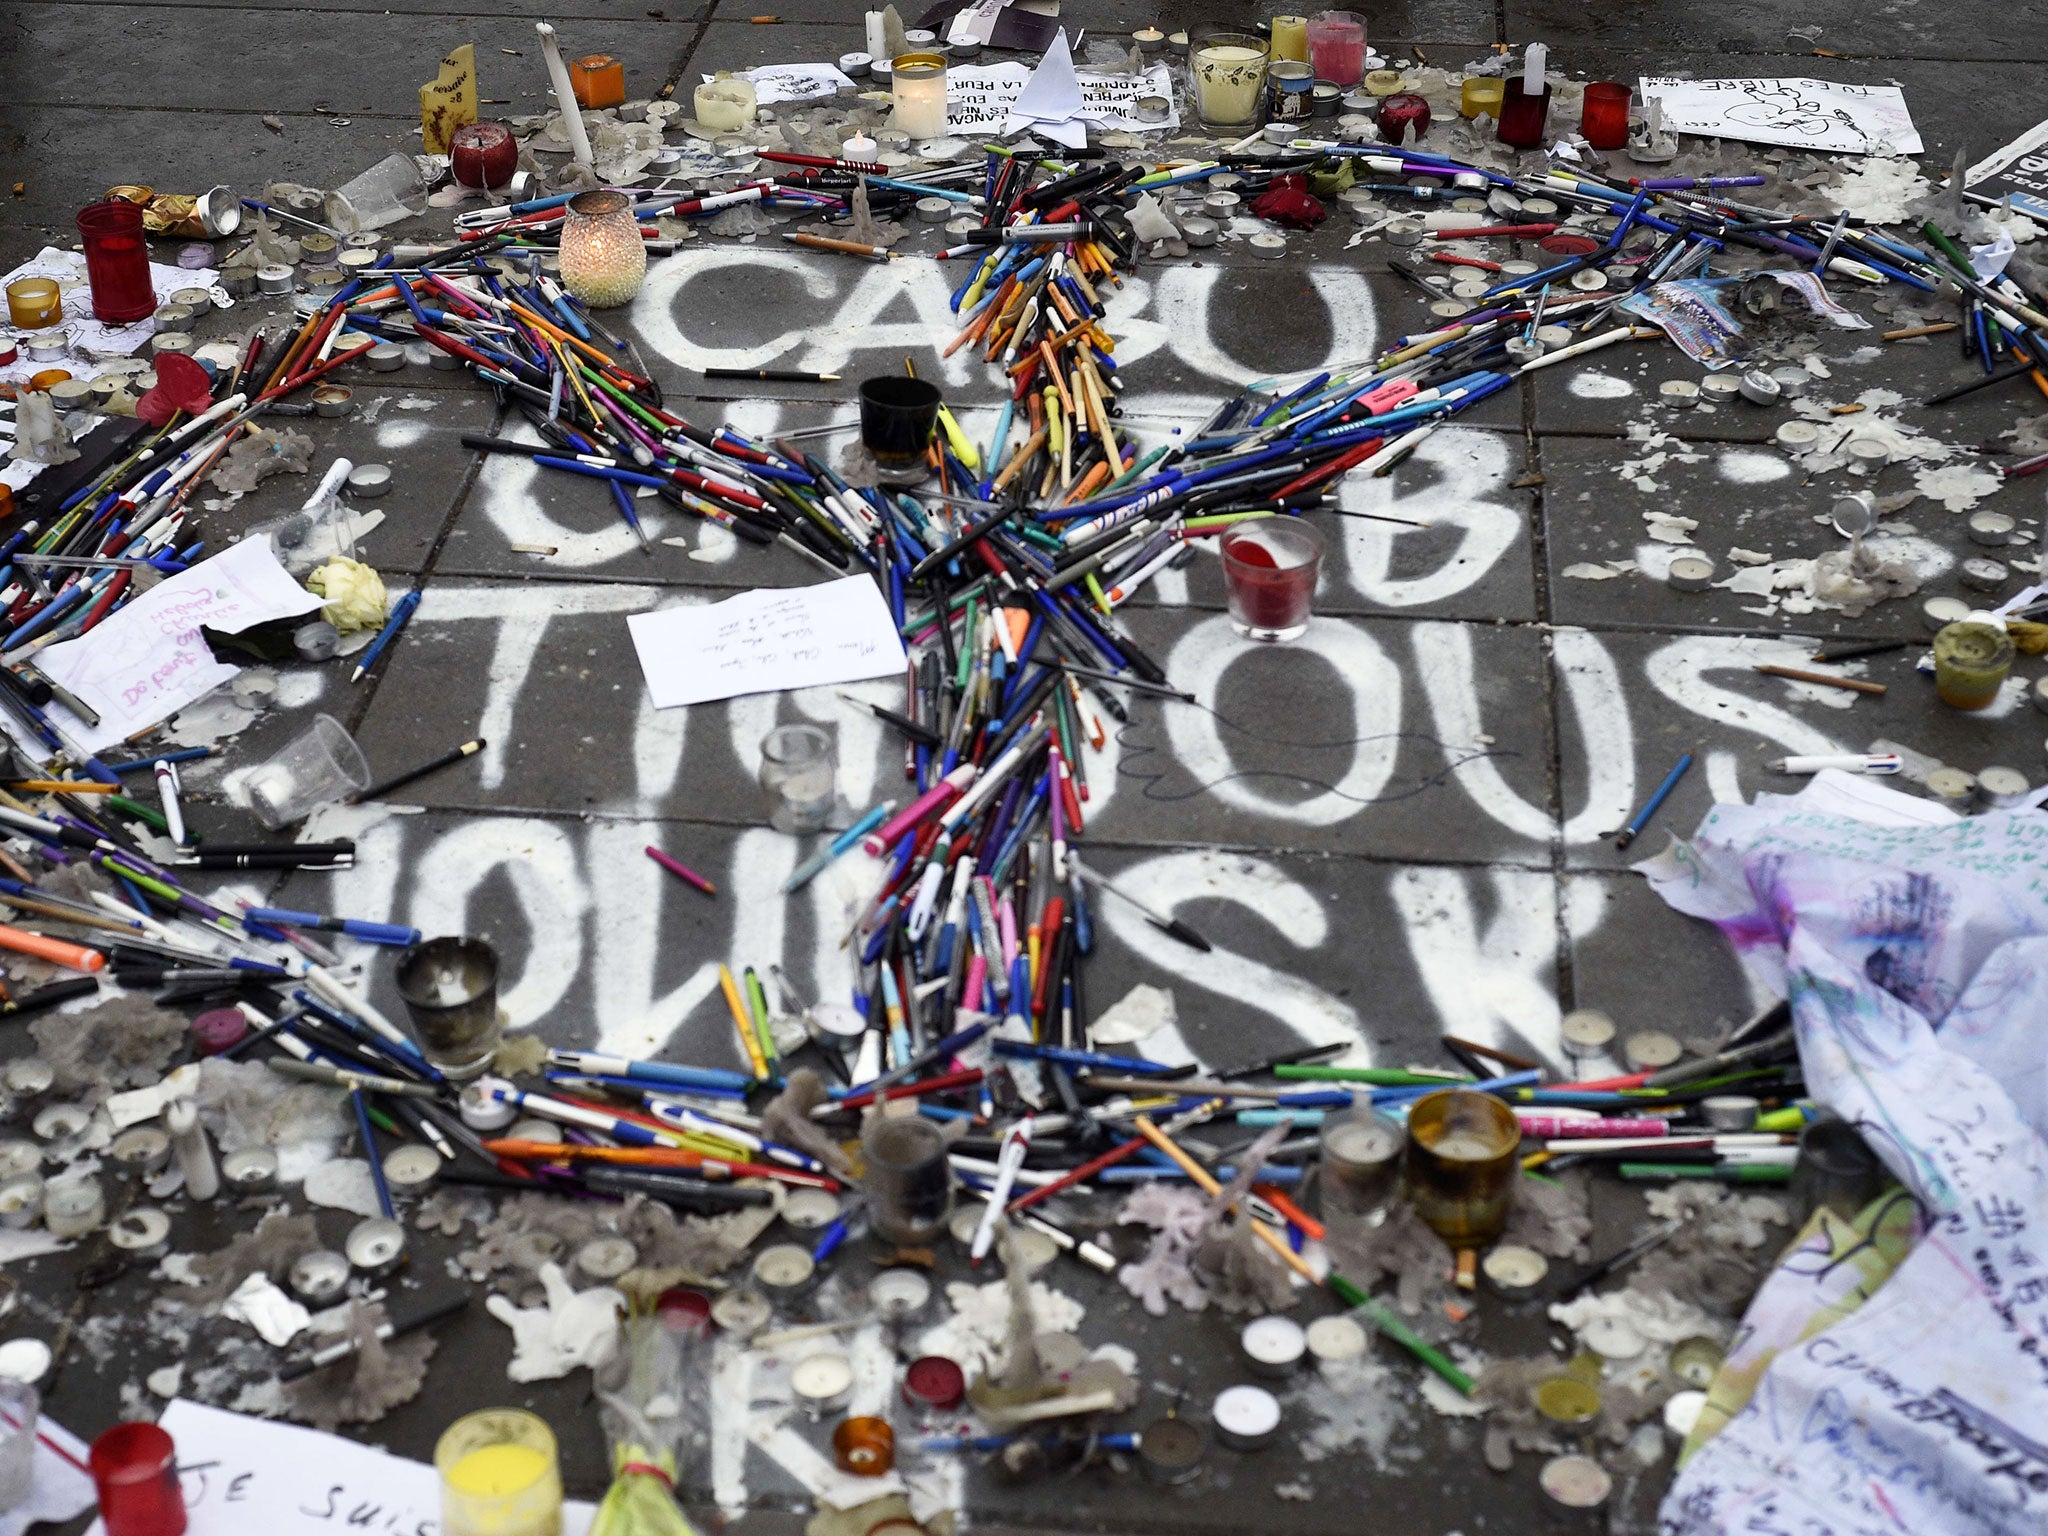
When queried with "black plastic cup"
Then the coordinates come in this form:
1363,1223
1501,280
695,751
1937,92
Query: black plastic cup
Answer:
897,415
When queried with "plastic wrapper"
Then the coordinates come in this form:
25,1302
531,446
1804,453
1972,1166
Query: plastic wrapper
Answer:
642,1405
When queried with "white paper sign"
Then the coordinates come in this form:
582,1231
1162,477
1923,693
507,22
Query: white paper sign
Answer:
775,83
1805,114
765,641
148,661
979,97
250,1477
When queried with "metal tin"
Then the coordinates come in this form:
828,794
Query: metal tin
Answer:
855,65
250,1170
28,1076
1650,1050
1689,573
935,1383
333,400
741,1313
822,1383
1576,1482
171,341
143,1231
69,395
1334,1340
1982,575
1170,1450
72,1207
141,1149
606,1258
1696,1360
385,357
18,1156
1267,244
443,362
355,263
318,250
1937,613
1991,528
898,1292
1403,233
1759,388
1246,1417
368,480
1792,381
1513,1271
783,1271
1450,309
1796,436
933,210
1866,455
412,1169
1953,788
274,278
21,1200
318,1278
1199,233
376,1246
239,282
807,1209
1567,1400
1153,109
1719,389
1730,1111
55,1122
52,345
1221,205
362,240
173,317
1586,1032
2001,789
1589,279
1273,1346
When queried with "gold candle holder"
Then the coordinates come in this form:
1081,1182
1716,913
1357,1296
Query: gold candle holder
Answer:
1460,1164
603,260
33,303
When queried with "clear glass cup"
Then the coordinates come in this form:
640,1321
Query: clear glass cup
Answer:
1837,1169
1481,96
799,769
1230,80
1336,46
500,1475
18,1408
908,1179
1971,662
1360,1163
387,192
322,765
1603,116
1270,566
450,990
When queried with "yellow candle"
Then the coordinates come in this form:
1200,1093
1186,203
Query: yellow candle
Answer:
1481,96
499,1476
1290,38
1230,79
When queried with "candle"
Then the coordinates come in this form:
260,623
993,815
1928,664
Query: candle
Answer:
1230,74
1336,46
725,104
1603,118
1971,660
1290,38
603,260
499,1476
1481,96
1401,113
918,82
1532,68
33,303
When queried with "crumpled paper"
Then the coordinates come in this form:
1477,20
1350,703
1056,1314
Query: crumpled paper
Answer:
574,1328
356,599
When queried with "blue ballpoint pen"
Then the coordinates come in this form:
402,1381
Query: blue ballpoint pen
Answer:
392,625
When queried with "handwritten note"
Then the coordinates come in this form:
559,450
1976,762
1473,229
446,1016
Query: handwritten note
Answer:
149,660
761,642
979,97
776,83
1806,114
249,1477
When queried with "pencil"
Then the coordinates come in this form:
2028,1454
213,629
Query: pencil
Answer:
399,780
741,1022
773,375
681,870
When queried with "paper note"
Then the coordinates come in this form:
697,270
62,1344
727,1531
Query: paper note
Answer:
149,660
250,1477
979,98
775,83
1805,114
762,642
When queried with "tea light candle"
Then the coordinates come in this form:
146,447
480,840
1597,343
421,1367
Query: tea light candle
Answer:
918,86
1514,1271
1334,1340
1480,96
33,303
822,1383
1273,1345
1575,1482
1246,1418
602,256
1149,39
21,1200
1586,1032
783,1270
74,1207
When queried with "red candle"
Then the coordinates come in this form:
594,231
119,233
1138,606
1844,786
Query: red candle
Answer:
136,1469
1269,572
1398,113
483,155
116,261
1604,117
1522,116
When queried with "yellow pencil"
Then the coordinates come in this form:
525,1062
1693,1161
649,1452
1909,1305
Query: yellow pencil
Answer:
742,1023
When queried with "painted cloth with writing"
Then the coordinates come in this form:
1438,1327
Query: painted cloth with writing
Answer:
1916,958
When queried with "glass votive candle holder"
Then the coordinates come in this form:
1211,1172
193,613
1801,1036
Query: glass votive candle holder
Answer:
1522,116
602,258
1603,118
1971,662
1480,96
1336,46
135,1469
1460,1164
116,261
917,84
1360,1166
1404,118
1230,80
799,769
499,1475
908,1178
1270,566
33,303
18,1408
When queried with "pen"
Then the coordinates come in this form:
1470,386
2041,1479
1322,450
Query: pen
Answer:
328,1354
392,625
1641,819
815,865
167,791
775,375
369,933
1847,762
652,1071
1016,1142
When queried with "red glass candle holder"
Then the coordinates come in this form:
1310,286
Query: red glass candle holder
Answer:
1270,565
116,262
483,155
1522,116
135,1467
1401,112
1603,120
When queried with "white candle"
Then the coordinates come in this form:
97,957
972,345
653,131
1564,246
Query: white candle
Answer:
1532,69
918,82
